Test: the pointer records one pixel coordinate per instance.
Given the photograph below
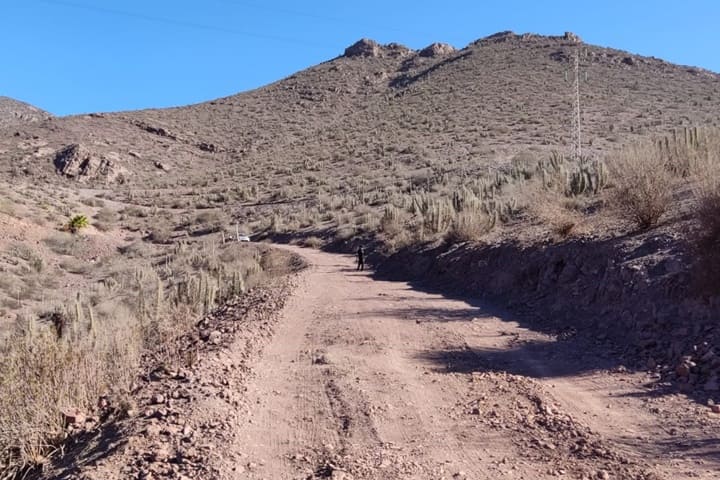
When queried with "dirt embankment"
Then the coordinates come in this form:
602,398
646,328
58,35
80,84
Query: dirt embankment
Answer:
637,293
183,407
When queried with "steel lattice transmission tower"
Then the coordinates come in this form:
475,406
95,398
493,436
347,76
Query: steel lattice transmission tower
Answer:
576,111
577,123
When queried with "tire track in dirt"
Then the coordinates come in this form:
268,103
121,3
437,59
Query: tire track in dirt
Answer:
369,379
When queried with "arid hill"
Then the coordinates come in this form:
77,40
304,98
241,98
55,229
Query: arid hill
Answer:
379,108
120,276
14,112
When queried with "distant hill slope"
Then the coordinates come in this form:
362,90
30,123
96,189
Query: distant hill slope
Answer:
15,112
386,110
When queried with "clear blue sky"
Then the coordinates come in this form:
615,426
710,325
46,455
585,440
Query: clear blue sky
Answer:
74,56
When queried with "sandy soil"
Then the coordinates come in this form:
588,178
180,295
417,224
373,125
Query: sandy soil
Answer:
373,379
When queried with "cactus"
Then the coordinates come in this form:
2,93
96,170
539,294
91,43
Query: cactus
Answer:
159,297
589,178
93,323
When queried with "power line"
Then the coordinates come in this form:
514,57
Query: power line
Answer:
181,23
327,18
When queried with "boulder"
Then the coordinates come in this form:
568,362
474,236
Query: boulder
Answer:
78,162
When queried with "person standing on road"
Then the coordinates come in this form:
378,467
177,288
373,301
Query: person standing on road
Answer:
360,258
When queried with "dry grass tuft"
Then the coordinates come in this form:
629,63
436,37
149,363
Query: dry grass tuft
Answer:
46,371
470,226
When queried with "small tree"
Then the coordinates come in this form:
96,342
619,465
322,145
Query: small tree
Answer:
77,223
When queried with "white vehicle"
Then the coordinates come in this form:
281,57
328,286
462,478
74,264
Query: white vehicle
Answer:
243,238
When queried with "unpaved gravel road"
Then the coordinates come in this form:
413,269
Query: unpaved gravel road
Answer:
368,379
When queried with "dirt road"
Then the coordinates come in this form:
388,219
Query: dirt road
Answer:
369,379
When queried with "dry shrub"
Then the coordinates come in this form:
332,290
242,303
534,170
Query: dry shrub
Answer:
557,212
42,374
312,242
706,243
469,226
105,219
64,243
87,350
161,234
642,184
345,232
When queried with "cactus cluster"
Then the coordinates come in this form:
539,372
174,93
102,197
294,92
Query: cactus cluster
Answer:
682,149
589,177
441,213
584,177
204,291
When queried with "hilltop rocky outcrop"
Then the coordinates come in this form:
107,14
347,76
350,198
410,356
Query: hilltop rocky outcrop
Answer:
370,48
437,50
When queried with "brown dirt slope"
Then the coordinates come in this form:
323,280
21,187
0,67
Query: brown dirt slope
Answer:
383,107
14,112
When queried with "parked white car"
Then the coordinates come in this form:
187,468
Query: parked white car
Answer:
243,238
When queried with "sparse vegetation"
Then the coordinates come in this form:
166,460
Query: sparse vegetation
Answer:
419,165
643,185
77,223
90,348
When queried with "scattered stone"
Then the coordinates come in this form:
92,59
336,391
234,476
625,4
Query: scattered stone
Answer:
215,337
73,416
207,147
157,399
320,360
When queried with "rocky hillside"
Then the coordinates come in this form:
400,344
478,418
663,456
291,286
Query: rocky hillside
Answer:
14,112
383,112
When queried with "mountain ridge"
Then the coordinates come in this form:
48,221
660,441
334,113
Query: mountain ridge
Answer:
501,96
